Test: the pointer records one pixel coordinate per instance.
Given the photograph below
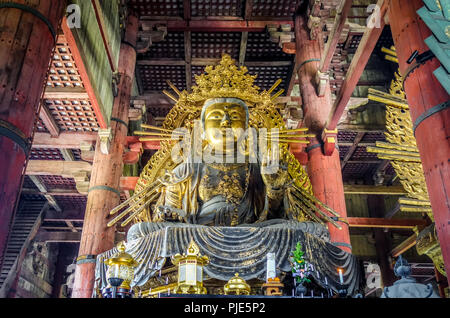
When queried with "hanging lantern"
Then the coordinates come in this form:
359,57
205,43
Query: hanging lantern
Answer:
190,271
120,271
237,286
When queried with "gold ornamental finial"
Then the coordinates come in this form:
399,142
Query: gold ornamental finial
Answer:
227,80
237,286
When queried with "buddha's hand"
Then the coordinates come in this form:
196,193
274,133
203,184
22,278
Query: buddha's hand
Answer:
169,213
275,174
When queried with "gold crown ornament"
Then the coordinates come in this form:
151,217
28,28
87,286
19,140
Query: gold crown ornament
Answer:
226,80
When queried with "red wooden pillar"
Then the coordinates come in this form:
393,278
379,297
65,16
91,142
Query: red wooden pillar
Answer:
104,190
424,93
27,38
324,171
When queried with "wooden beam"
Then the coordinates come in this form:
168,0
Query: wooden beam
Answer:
362,127
357,66
163,61
404,246
57,168
188,58
187,9
64,140
248,9
38,183
374,190
352,149
70,225
243,49
67,154
386,223
103,31
335,34
217,25
54,193
58,237
48,120
65,93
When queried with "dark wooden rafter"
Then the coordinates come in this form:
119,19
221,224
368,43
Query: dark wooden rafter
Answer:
224,25
404,246
385,223
188,58
357,67
352,149
207,61
243,49
48,120
43,189
248,9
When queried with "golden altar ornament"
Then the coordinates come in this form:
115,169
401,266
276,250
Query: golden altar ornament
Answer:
237,286
121,266
190,271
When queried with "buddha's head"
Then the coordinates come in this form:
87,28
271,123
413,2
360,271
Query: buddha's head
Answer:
221,116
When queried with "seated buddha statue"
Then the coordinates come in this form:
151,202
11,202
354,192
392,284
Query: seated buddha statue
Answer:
236,205
224,191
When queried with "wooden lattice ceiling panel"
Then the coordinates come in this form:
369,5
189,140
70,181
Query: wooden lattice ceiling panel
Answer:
260,48
208,8
58,183
157,8
347,136
72,203
76,154
268,75
275,8
28,184
362,154
45,154
40,126
154,77
213,45
373,137
172,47
73,115
343,150
357,170
63,71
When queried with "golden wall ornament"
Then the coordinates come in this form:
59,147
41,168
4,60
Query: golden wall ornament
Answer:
428,244
401,147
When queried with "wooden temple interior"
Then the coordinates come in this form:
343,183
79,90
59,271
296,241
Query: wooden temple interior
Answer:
62,85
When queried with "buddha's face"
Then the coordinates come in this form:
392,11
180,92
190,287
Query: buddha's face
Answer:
222,118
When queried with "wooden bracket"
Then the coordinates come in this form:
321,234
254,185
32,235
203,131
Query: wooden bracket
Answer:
105,140
330,141
322,80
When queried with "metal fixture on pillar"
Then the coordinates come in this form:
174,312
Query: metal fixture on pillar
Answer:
120,274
